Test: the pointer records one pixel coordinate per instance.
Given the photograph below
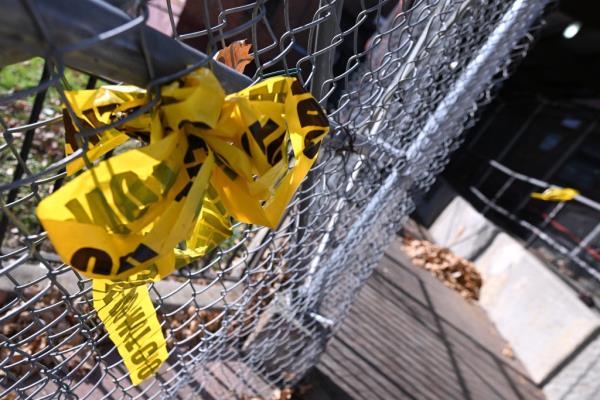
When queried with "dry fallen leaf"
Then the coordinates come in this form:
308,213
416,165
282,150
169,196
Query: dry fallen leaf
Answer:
282,394
455,272
22,329
508,352
236,55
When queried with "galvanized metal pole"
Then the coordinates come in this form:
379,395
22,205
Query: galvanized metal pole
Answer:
100,39
464,93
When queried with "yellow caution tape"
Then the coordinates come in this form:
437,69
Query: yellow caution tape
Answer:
98,107
556,194
129,317
206,158
250,150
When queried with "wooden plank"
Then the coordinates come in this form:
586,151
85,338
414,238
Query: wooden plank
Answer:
409,336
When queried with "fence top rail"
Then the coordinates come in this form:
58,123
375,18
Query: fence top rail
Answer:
399,81
594,205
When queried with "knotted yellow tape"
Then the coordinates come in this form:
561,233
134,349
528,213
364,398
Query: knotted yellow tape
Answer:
556,194
207,157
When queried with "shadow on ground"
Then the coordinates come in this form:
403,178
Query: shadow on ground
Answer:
410,337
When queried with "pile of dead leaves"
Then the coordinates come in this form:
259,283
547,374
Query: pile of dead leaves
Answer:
278,394
455,272
48,332
44,335
191,325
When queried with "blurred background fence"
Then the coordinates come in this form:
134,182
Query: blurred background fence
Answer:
399,80
548,228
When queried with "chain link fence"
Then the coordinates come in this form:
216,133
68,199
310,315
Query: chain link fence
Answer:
400,81
547,228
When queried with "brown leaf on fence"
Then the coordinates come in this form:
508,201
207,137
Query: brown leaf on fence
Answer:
236,55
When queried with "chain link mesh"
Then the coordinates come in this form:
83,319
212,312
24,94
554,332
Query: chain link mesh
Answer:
400,80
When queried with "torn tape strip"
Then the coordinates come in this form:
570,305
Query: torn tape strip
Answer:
129,317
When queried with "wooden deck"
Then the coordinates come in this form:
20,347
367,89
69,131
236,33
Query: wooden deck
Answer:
410,337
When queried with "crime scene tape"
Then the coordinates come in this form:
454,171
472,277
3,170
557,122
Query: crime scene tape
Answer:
134,217
556,194
130,320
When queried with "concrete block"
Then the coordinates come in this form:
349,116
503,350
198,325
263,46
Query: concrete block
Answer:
580,378
24,274
173,293
462,229
27,273
537,313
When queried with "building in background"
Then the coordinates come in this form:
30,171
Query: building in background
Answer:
539,257
544,124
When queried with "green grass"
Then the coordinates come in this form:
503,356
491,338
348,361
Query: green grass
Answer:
48,141
20,76
28,73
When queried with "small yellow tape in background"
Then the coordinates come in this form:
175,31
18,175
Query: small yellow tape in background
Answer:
556,194
204,158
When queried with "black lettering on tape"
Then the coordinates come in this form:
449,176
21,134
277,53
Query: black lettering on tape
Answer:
311,147
193,171
141,254
165,176
194,142
132,341
144,353
262,93
246,144
274,150
310,113
71,130
78,211
89,115
132,322
260,133
149,368
297,88
183,192
100,260
222,163
121,307
103,214
137,189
